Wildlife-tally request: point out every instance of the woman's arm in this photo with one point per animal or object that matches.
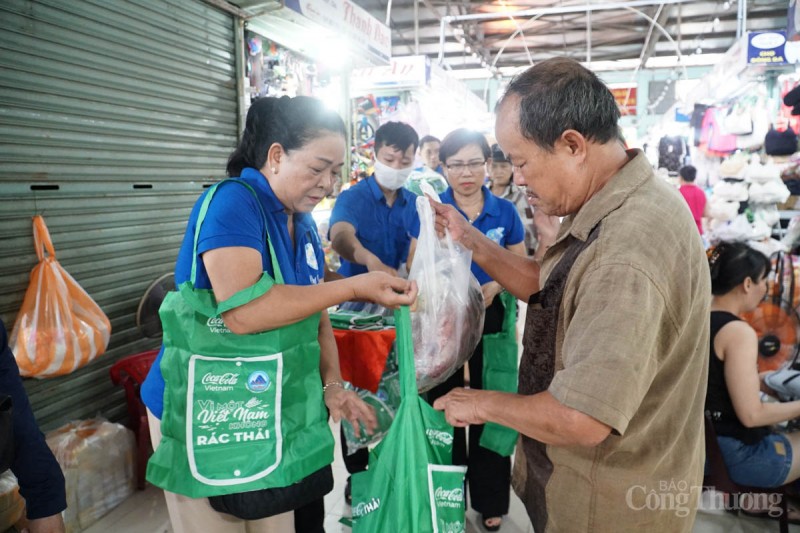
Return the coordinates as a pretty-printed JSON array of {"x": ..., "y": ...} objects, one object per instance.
[
  {"x": 738, "y": 343},
  {"x": 232, "y": 269}
]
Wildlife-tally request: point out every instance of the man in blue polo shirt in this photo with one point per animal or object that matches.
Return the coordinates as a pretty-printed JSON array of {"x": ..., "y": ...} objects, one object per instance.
[{"x": 372, "y": 223}]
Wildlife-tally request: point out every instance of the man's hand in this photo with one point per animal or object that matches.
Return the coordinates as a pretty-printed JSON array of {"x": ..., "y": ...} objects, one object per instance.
[
  {"x": 546, "y": 227},
  {"x": 462, "y": 407},
  {"x": 449, "y": 219},
  {"x": 490, "y": 289},
  {"x": 381, "y": 288},
  {"x": 345, "y": 404},
  {"x": 48, "y": 524}
]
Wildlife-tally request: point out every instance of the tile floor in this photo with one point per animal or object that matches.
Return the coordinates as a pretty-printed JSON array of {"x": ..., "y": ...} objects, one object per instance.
[{"x": 146, "y": 512}]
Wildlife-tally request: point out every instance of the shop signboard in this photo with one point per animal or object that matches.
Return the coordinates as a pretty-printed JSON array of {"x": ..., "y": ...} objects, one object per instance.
[
  {"x": 362, "y": 29},
  {"x": 626, "y": 99},
  {"x": 766, "y": 48},
  {"x": 404, "y": 72}
]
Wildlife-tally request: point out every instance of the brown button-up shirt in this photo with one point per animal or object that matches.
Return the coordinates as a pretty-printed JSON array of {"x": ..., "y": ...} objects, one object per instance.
[{"x": 632, "y": 352}]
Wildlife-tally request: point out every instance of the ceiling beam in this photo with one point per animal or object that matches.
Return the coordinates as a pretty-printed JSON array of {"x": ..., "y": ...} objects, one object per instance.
[{"x": 654, "y": 36}]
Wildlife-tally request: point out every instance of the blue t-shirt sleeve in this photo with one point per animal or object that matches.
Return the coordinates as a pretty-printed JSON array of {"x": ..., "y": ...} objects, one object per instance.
[
  {"x": 233, "y": 219},
  {"x": 346, "y": 209}
]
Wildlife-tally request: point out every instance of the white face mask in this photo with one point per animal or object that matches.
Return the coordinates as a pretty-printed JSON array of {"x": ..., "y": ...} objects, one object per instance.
[{"x": 391, "y": 178}]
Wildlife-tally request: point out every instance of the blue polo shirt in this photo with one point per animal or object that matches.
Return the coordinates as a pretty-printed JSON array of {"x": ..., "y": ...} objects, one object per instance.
[
  {"x": 498, "y": 220},
  {"x": 234, "y": 219},
  {"x": 385, "y": 231}
]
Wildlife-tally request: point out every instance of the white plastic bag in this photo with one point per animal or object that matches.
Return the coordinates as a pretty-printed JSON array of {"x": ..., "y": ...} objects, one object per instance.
[{"x": 448, "y": 321}]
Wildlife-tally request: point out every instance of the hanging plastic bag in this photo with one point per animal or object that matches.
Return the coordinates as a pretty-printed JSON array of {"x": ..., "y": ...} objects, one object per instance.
[
  {"x": 448, "y": 320},
  {"x": 59, "y": 327},
  {"x": 410, "y": 484}
]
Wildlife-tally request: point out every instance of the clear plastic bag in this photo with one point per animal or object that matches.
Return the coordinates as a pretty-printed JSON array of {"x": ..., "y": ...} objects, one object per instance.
[
  {"x": 447, "y": 323},
  {"x": 385, "y": 402},
  {"x": 59, "y": 327},
  {"x": 98, "y": 461}
]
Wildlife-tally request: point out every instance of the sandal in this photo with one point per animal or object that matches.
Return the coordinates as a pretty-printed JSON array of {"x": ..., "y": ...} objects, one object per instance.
[{"x": 497, "y": 521}]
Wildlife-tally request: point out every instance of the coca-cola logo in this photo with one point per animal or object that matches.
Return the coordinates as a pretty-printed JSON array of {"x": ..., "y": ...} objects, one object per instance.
[
  {"x": 453, "y": 495},
  {"x": 229, "y": 378},
  {"x": 216, "y": 325}
]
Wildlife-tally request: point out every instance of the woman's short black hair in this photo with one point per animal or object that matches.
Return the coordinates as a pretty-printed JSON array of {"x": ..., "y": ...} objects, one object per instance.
[
  {"x": 458, "y": 139},
  {"x": 290, "y": 122},
  {"x": 731, "y": 263}
]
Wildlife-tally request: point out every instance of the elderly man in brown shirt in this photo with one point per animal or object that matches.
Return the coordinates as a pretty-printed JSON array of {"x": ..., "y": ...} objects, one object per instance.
[{"x": 615, "y": 351}]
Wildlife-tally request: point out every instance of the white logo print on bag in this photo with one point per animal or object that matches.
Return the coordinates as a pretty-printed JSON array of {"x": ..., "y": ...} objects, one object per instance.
[{"x": 217, "y": 325}]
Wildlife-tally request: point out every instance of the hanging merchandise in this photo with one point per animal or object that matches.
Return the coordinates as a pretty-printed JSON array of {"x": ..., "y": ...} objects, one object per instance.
[
  {"x": 59, "y": 327},
  {"x": 671, "y": 152},
  {"x": 410, "y": 485},
  {"x": 276, "y": 71},
  {"x": 779, "y": 142},
  {"x": 448, "y": 320}
]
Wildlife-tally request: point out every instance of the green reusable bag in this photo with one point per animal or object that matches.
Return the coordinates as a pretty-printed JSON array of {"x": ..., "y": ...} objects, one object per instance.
[
  {"x": 241, "y": 412},
  {"x": 500, "y": 357},
  {"x": 410, "y": 485}
]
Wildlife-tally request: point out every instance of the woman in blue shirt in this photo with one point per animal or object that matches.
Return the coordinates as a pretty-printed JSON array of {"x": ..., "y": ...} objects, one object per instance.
[
  {"x": 465, "y": 154},
  {"x": 291, "y": 153}
]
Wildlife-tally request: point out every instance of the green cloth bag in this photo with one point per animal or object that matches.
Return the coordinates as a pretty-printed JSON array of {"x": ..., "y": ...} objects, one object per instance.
[
  {"x": 500, "y": 373},
  {"x": 410, "y": 484},
  {"x": 241, "y": 412}
]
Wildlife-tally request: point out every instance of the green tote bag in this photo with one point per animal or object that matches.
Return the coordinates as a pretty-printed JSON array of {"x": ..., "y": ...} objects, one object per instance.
[
  {"x": 500, "y": 373},
  {"x": 410, "y": 485},
  {"x": 241, "y": 412}
]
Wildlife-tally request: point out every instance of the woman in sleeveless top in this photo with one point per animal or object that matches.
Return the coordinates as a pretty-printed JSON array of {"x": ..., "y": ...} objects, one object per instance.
[{"x": 754, "y": 453}]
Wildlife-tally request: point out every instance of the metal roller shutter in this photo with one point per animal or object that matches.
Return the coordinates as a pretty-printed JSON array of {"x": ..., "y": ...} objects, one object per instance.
[{"x": 113, "y": 116}]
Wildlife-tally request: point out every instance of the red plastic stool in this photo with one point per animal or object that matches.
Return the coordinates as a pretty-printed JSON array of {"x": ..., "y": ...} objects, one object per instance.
[{"x": 129, "y": 372}]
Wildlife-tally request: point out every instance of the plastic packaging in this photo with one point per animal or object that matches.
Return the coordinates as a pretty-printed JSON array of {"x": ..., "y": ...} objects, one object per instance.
[
  {"x": 98, "y": 459},
  {"x": 12, "y": 506},
  {"x": 447, "y": 323},
  {"x": 59, "y": 327},
  {"x": 385, "y": 402}
]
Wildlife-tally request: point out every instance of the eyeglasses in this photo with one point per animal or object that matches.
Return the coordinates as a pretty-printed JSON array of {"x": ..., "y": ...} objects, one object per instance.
[{"x": 472, "y": 166}]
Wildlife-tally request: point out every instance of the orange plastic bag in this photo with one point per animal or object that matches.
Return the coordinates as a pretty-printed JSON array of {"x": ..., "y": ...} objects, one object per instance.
[{"x": 59, "y": 327}]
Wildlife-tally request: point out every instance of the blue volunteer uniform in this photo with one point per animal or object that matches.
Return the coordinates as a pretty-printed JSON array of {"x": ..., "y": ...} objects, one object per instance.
[
  {"x": 385, "y": 231},
  {"x": 234, "y": 219},
  {"x": 498, "y": 220}
]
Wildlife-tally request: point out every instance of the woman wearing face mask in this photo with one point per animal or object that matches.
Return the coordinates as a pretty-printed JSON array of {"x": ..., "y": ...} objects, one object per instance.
[
  {"x": 252, "y": 247},
  {"x": 372, "y": 222},
  {"x": 464, "y": 155}
]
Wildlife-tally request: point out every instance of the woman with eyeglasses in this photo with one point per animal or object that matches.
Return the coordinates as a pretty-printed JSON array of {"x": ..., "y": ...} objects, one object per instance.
[{"x": 464, "y": 155}]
